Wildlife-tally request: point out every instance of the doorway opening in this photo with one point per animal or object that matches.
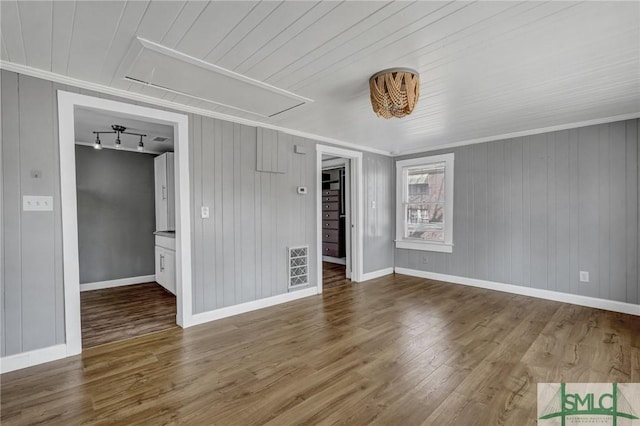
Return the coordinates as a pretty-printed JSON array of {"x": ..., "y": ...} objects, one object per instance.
[
  {"x": 126, "y": 225},
  {"x": 339, "y": 216},
  {"x": 336, "y": 221},
  {"x": 78, "y": 235}
]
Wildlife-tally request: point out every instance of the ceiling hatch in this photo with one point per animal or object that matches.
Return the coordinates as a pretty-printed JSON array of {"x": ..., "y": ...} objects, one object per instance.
[{"x": 167, "y": 69}]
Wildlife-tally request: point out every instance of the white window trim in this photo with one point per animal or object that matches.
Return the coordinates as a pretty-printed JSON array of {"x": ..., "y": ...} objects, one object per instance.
[{"x": 403, "y": 243}]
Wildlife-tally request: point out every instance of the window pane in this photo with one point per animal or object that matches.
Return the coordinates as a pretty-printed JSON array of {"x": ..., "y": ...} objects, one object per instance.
[
  {"x": 425, "y": 184},
  {"x": 425, "y": 221}
]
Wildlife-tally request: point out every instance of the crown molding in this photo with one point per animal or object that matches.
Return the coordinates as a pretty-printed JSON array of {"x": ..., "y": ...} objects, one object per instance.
[
  {"x": 100, "y": 88},
  {"x": 530, "y": 132}
]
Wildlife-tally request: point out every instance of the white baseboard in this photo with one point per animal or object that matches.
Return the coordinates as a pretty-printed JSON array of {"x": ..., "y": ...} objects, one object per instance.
[
  {"x": 377, "y": 274},
  {"x": 117, "y": 283},
  {"x": 31, "y": 358},
  {"x": 337, "y": 260},
  {"x": 592, "y": 302},
  {"x": 254, "y": 305}
]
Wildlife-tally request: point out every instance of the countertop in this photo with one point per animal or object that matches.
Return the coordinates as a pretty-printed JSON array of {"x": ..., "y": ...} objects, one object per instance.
[{"x": 170, "y": 234}]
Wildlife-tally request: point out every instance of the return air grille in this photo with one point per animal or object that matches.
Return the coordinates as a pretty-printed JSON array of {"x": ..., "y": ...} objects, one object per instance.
[{"x": 298, "y": 266}]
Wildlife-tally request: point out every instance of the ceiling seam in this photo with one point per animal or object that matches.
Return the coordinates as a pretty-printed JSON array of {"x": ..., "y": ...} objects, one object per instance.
[
  {"x": 234, "y": 27},
  {"x": 246, "y": 35},
  {"x": 296, "y": 35},
  {"x": 331, "y": 39},
  {"x": 276, "y": 36},
  {"x": 388, "y": 44}
]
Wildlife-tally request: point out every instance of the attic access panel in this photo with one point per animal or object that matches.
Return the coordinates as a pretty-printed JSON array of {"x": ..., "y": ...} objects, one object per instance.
[{"x": 167, "y": 69}]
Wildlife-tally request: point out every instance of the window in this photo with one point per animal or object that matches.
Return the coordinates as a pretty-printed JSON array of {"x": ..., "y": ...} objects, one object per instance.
[{"x": 425, "y": 203}]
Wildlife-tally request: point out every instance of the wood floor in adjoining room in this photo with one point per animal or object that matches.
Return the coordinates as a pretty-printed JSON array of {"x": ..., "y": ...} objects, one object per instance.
[
  {"x": 394, "y": 350},
  {"x": 333, "y": 275},
  {"x": 113, "y": 314}
]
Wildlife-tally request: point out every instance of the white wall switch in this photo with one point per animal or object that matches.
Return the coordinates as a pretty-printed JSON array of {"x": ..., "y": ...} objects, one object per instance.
[
  {"x": 302, "y": 190},
  {"x": 37, "y": 203},
  {"x": 204, "y": 212},
  {"x": 584, "y": 276}
]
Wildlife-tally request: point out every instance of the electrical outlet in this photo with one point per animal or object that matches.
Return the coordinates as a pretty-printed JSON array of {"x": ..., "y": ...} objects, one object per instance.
[
  {"x": 425, "y": 260},
  {"x": 37, "y": 203},
  {"x": 204, "y": 212},
  {"x": 584, "y": 276}
]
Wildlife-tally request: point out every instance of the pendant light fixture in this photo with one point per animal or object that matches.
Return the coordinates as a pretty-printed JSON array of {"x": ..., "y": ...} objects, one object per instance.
[
  {"x": 394, "y": 92},
  {"x": 118, "y": 130}
]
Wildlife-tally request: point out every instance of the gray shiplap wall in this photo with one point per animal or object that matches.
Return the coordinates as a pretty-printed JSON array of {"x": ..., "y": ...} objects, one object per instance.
[
  {"x": 240, "y": 251},
  {"x": 379, "y": 214},
  {"x": 116, "y": 214},
  {"x": 534, "y": 211},
  {"x": 233, "y": 261}
]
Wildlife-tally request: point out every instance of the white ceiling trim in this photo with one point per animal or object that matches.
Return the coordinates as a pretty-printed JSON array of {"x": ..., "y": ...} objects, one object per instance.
[
  {"x": 164, "y": 50},
  {"x": 530, "y": 132},
  {"x": 58, "y": 78}
]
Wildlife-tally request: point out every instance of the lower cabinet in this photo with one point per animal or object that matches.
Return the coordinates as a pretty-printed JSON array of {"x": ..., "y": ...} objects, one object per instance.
[{"x": 166, "y": 268}]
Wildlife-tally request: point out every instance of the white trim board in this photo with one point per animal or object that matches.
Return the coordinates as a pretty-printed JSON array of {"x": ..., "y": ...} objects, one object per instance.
[
  {"x": 591, "y": 302},
  {"x": 100, "y": 88},
  {"x": 67, "y": 102},
  {"x": 117, "y": 283},
  {"x": 574, "y": 125},
  {"x": 336, "y": 260},
  {"x": 31, "y": 358},
  {"x": 253, "y": 305},
  {"x": 356, "y": 247},
  {"x": 377, "y": 274}
]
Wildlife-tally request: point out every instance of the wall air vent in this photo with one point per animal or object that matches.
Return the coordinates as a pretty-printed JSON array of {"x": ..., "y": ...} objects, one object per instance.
[
  {"x": 152, "y": 64},
  {"x": 160, "y": 139},
  {"x": 298, "y": 266}
]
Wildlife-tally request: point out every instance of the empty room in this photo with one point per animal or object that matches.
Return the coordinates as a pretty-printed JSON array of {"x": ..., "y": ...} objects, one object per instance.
[{"x": 320, "y": 212}]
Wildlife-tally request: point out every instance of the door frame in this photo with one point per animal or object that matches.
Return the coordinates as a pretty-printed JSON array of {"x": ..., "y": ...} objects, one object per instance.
[
  {"x": 67, "y": 102},
  {"x": 345, "y": 163},
  {"x": 356, "y": 191}
]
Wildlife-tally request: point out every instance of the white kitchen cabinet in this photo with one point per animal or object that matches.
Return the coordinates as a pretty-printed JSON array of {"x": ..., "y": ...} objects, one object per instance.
[
  {"x": 166, "y": 268},
  {"x": 165, "y": 192}
]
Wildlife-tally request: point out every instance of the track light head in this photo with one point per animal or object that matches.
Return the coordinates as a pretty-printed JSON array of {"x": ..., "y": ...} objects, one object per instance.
[{"x": 97, "y": 144}]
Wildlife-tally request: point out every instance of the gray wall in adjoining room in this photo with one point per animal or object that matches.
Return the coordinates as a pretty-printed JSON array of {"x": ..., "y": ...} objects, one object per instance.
[
  {"x": 534, "y": 211},
  {"x": 116, "y": 214},
  {"x": 222, "y": 161}
]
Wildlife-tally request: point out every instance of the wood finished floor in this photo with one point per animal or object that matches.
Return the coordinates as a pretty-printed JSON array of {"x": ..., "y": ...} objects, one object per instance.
[
  {"x": 395, "y": 350},
  {"x": 114, "y": 314},
  {"x": 333, "y": 275}
]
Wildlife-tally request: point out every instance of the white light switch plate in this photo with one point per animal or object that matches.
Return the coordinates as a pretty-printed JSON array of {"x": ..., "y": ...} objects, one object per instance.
[
  {"x": 204, "y": 212},
  {"x": 584, "y": 276},
  {"x": 42, "y": 203}
]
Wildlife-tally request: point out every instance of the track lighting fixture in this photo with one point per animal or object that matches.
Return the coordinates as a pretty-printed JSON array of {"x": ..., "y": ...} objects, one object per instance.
[{"x": 118, "y": 130}]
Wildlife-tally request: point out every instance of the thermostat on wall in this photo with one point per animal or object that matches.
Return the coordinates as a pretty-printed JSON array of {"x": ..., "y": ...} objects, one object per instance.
[{"x": 302, "y": 190}]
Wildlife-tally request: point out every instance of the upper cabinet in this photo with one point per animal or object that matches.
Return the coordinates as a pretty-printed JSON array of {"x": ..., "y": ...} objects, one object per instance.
[{"x": 165, "y": 192}]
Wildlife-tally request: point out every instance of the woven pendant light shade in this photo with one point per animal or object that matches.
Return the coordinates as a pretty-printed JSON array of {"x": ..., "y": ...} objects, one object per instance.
[{"x": 394, "y": 92}]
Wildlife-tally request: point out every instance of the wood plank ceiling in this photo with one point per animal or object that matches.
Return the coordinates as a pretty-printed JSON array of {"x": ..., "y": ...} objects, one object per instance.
[{"x": 487, "y": 68}]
